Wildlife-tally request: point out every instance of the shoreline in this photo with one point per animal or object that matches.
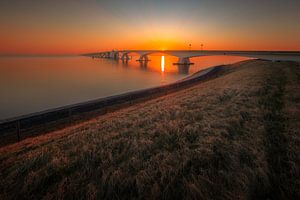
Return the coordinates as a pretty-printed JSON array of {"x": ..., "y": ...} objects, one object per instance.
[{"x": 18, "y": 128}]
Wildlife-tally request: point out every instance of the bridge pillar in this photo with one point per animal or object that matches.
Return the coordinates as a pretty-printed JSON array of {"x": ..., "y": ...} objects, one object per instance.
[
  {"x": 111, "y": 54},
  {"x": 125, "y": 56},
  {"x": 114, "y": 55},
  {"x": 107, "y": 55},
  {"x": 183, "y": 69},
  {"x": 143, "y": 58},
  {"x": 183, "y": 61}
]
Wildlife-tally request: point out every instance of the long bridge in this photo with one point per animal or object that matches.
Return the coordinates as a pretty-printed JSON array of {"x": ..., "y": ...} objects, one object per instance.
[{"x": 185, "y": 55}]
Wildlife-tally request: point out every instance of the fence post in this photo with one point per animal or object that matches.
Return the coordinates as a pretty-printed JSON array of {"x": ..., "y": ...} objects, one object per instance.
[
  {"x": 18, "y": 130},
  {"x": 70, "y": 115}
]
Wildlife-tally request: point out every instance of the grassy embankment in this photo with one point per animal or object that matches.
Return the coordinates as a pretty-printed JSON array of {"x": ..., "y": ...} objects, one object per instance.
[{"x": 233, "y": 137}]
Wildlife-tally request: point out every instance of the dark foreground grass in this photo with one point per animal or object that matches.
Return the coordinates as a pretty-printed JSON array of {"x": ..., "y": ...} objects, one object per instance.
[
  {"x": 283, "y": 174},
  {"x": 234, "y": 137}
]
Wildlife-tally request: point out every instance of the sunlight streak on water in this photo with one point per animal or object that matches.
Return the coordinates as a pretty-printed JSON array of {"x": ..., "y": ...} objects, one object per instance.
[
  {"x": 162, "y": 63},
  {"x": 162, "y": 67}
]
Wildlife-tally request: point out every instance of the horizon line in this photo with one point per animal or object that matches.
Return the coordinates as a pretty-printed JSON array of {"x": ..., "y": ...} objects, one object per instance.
[{"x": 78, "y": 54}]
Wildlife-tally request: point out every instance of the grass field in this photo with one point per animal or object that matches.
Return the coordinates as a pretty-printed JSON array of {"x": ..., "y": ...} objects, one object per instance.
[{"x": 233, "y": 137}]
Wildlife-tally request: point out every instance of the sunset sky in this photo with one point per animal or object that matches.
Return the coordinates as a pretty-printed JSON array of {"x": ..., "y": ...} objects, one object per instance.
[{"x": 77, "y": 26}]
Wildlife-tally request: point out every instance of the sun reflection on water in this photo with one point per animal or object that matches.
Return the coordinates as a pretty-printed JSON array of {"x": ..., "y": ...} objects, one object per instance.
[
  {"x": 162, "y": 68},
  {"x": 162, "y": 63}
]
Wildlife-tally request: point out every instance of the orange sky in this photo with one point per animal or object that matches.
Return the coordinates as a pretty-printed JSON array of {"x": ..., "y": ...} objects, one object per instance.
[{"x": 68, "y": 27}]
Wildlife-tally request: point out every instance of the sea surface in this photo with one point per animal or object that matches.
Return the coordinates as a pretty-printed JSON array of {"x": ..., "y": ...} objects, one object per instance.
[{"x": 32, "y": 84}]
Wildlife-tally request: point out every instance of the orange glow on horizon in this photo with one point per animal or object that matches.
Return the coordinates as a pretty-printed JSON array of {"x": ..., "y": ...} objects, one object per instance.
[
  {"x": 33, "y": 43},
  {"x": 40, "y": 41}
]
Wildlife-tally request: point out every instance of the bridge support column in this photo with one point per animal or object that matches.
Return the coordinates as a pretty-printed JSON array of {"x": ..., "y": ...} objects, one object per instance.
[
  {"x": 143, "y": 58},
  {"x": 183, "y": 61},
  {"x": 115, "y": 55},
  {"x": 125, "y": 57},
  {"x": 111, "y": 55},
  {"x": 183, "y": 69},
  {"x": 107, "y": 55}
]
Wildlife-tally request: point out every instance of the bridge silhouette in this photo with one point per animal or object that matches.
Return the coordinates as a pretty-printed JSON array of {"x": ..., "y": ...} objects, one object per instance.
[{"x": 185, "y": 55}]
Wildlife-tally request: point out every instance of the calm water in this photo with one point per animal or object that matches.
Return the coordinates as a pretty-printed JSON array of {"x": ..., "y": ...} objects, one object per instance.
[{"x": 31, "y": 84}]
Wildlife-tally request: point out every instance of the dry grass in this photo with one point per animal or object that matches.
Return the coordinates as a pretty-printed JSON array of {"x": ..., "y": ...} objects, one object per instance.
[{"x": 234, "y": 137}]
